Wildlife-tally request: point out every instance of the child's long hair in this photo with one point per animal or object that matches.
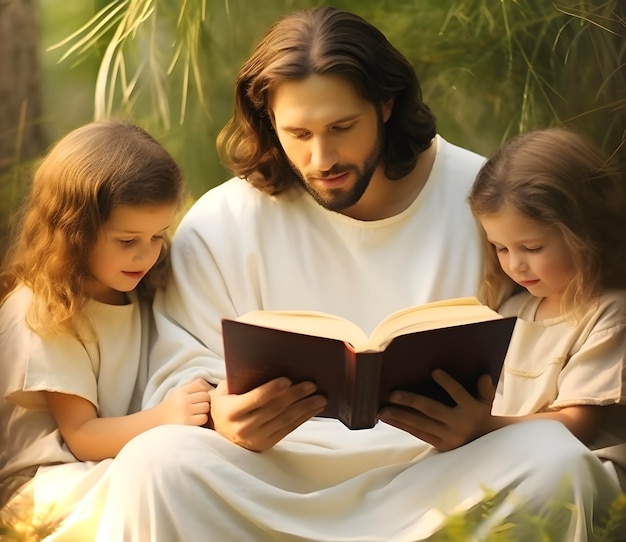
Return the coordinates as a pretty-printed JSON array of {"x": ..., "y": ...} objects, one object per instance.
[
  {"x": 84, "y": 176},
  {"x": 559, "y": 179}
]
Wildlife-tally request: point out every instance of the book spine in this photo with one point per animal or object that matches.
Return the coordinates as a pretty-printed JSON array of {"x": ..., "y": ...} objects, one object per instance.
[{"x": 358, "y": 404}]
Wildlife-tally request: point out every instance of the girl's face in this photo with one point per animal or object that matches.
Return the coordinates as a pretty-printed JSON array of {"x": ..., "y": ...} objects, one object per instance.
[
  {"x": 129, "y": 244},
  {"x": 533, "y": 254}
]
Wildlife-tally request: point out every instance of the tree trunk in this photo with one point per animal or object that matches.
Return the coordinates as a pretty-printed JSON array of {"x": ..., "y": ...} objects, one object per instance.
[{"x": 21, "y": 131}]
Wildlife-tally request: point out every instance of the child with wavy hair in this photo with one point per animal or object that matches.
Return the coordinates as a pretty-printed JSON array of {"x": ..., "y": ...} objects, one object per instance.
[
  {"x": 553, "y": 216},
  {"x": 75, "y": 312}
]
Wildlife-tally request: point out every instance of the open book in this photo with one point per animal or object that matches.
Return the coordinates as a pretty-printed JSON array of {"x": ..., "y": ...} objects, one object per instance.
[{"x": 356, "y": 372}]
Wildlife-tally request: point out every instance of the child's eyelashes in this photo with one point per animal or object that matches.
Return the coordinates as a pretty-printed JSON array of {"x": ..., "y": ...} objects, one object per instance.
[
  {"x": 504, "y": 250},
  {"x": 134, "y": 240},
  {"x": 341, "y": 129}
]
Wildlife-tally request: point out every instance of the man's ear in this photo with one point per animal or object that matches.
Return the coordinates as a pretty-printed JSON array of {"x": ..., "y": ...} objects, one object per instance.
[{"x": 387, "y": 109}]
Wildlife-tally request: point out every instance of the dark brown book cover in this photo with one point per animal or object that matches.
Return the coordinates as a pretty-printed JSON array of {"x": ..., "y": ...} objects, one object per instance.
[{"x": 357, "y": 384}]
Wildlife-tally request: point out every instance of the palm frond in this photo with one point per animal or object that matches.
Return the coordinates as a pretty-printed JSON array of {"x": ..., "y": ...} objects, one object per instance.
[
  {"x": 137, "y": 40},
  {"x": 91, "y": 33}
]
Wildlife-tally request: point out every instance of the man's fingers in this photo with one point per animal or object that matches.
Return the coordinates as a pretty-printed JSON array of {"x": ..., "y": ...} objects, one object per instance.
[
  {"x": 486, "y": 389},
  {"x": 456, "y": 390}
]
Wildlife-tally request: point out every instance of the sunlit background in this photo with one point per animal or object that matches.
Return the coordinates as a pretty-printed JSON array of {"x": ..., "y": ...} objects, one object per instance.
[{"x": 489, "y": 69}]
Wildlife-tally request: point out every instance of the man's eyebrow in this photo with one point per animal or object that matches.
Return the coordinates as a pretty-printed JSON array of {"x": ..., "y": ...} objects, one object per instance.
[{"x": 347, "y": 118}]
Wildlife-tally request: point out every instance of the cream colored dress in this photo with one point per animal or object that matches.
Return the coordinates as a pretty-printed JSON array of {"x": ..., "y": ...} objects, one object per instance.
[
  {"x": 239, "y": 250},
  {"x": 110, "y": 373},
  {"x": 556, "y": 363}
]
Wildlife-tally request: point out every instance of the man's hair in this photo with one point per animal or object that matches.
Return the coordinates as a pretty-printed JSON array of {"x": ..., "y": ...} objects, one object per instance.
[
  {"x": 86, "y": 174},
  {"x": 322, "y": 41},
  {"x": 558, "y": 178}
]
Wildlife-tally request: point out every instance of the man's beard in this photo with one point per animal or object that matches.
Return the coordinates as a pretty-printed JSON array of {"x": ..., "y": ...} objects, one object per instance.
[{"x": 338, "y": 200}]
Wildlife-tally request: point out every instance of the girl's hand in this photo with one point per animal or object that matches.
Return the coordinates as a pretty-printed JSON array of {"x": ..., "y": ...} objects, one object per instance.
[
  {"x": 187, "y": 405},
  {"x": 438, "y": 424},
  {"x": 257, "y": 420}
]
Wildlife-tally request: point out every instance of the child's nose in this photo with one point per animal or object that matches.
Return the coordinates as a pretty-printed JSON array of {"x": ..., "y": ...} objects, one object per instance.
[{"x": 517, "y": 262}]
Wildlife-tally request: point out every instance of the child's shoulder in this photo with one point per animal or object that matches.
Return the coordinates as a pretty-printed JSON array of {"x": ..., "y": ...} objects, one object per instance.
[
  {"x": 613, "y": 303},
  {"x": 14, "y": 307}
]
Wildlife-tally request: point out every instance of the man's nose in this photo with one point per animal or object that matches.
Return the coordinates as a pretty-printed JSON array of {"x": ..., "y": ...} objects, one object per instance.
[{"x": 323, "y": 154}]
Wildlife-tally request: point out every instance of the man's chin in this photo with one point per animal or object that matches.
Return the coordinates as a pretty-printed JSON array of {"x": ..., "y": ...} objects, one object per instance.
[
  {"x": 336, "y": 204},
  {"x": 335, "y": 200}
]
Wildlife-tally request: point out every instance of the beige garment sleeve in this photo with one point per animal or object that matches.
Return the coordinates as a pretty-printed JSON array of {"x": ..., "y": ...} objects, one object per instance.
[{"x": 594, "y": 375}]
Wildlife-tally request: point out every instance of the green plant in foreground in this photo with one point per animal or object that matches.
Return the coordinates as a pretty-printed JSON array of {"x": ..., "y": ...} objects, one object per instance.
[
  {"x": 526, "y": 526},
  {"x": 614, "y": 526},
  {"x": 20, "y": 524}
]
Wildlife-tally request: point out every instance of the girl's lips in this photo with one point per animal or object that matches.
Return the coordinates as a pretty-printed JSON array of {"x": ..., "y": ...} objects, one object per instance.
[
  {"x": 133, "y": 274},
  {"x": 528, "y": 283}
]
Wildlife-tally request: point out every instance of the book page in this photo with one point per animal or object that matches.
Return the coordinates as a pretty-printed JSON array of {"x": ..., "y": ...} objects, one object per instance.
[
  {"x": 319, "y": 324},
  {"x": 446, "y": 313}
]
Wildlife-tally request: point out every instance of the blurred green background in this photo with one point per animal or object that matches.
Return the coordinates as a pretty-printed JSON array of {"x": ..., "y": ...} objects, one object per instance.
[{"x": 489, "y": 69}]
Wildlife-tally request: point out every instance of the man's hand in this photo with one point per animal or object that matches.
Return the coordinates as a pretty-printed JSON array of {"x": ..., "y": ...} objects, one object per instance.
[
  {"x": 443, "y": 426},
  {"x": 257, "y": 420}
]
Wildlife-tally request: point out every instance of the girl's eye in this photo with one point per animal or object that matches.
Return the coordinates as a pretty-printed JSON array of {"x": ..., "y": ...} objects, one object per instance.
[
  {"x": 157, "y": 238},
  {"x": 342, "y": 128},
  {"x": 301, "y": 135},
  {"x": 533, "y": 249},
  {"x": 500, "y": 250},
  {"x": 126, "y": 242}
]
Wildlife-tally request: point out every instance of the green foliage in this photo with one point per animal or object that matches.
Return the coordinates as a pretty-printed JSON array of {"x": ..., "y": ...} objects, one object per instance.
[
  {"x": 20, "y": 525},
  {"x": 613, "y": 526},
  {"x": 170, "y": 66},
  {"x": 136, "y": 60},
  {"x": 13, "y": 187},
  {"x": 490, "y": 69},
  {"x": 525, "y": 525}
]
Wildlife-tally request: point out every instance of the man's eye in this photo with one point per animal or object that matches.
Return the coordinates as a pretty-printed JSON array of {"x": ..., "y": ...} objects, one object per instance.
[{"x": 342, "y": 128}]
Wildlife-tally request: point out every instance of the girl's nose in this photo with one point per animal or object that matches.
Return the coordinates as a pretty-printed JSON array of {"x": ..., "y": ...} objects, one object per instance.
[{"x": 517, "y": 262}]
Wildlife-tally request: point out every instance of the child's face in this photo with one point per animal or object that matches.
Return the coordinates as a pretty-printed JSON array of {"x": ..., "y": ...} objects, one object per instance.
[
  {"x": 128, "y": 246},
  {"x": 532, "y": 254}
]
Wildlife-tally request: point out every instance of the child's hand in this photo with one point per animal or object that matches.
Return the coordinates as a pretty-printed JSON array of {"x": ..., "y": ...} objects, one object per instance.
[{"x": 187, "y": 405}]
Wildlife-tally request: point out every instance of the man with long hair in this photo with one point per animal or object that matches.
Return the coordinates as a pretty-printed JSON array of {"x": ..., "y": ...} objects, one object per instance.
[{"x": 345, "y": 200}]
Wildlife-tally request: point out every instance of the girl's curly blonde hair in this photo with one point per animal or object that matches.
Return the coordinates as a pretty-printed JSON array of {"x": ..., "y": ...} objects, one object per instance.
[
  {"x": 84, "y": 176},
  {"x": 560, "y": 179}
]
